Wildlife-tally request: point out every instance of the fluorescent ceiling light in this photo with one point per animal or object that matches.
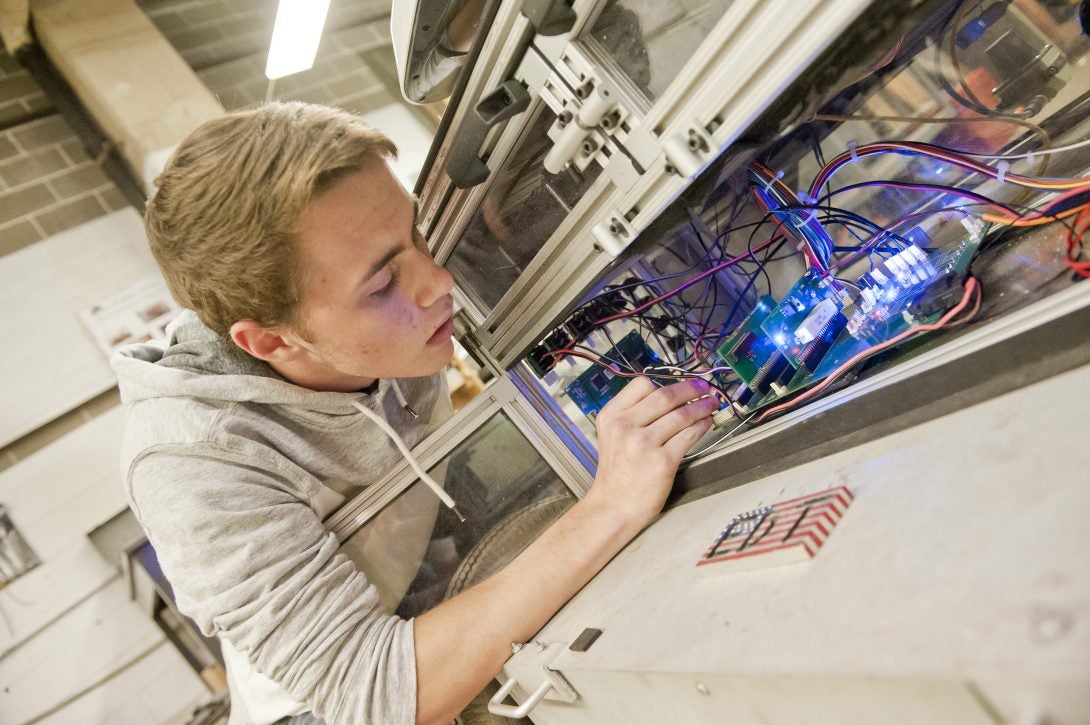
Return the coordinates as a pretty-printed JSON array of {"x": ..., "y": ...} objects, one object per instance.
[{"x": 295, "y": 36}]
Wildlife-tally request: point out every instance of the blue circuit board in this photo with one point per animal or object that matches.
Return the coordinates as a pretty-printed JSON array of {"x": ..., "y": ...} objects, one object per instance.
[{"x": 597, "y": 385}]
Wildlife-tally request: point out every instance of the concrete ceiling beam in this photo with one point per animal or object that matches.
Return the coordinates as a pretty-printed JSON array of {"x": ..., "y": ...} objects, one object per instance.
[{"x": 131, "y": 80}]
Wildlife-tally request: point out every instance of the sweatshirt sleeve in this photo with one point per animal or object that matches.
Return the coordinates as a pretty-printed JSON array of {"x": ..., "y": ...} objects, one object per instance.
[{"x": 250, "y": 562}]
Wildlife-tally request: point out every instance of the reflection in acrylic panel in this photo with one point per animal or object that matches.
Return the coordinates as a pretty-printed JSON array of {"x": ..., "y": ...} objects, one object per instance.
[
  {"x": 650, "y": 41},
  {"x": 523, "y": 207},
  {"x": 418, "y": 554}
]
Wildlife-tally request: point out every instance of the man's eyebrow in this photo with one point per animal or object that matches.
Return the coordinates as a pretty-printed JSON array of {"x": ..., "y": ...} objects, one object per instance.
[
  {"x": 389, "y": 256},
  {"x": 386, "y": 259}
]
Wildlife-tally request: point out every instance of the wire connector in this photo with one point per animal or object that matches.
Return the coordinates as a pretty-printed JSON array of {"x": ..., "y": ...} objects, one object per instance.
[{"x": 721, "y": 417}]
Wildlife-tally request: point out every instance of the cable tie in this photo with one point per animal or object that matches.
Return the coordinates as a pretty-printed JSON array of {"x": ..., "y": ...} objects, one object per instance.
[
  {"x": 805, "y": 198},
  {"x": 1001, "y": 170},
  {"x": 773, "y": 180},
  {"x": 853, "y": 147},
  {"x": 809, "y": 218},
  {"x": 1030, "y": 156}
]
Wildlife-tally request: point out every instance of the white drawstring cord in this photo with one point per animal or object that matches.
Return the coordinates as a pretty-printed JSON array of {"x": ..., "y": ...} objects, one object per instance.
[
  {"x": 388, "y": 430},
  {"x": 401, "y": 398}
]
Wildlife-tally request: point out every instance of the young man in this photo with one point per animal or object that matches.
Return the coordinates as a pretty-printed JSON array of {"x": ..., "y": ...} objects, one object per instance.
[{"x": 285, "y": 232}]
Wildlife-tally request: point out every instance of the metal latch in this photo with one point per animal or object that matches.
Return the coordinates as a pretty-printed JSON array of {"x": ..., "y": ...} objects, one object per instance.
[{"x": 554, "y": 686}]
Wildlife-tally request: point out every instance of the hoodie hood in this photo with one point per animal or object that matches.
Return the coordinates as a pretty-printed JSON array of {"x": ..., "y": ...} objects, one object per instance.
[{"x": 195, "y": 362}]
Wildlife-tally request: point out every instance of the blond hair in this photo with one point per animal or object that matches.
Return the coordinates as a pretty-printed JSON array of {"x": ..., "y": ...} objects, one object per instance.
[{"x": 222, "y": 222}]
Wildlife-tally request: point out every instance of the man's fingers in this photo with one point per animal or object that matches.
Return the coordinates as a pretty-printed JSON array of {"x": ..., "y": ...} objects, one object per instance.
[
  {"x": 681, "y": 417},
  {"x": 680, "y": 443},
  {"x": 632, "y": 393},
  {"x": 653, "y": 407}
]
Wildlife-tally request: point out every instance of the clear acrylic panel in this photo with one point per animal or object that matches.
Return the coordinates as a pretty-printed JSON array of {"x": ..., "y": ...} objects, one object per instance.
[
  {"x": 651, "y": 40},
  {"x": 418, "y": 554},
  {"x": 518, "y": 214}
]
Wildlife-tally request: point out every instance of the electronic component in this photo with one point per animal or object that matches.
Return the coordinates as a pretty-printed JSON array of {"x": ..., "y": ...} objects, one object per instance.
[
  {"x": 811, "y": 310},
  {"x": 539, "y": 358},
  {"x": 907, "y": 286},
  {"x": 777, "y": 340},
  {"x": 597, "y": 385},
  {"x": 749, "y": 351}
]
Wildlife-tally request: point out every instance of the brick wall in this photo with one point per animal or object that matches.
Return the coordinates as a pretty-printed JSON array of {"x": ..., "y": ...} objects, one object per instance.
[
  {"x": 20, "y": 96},
  {"x": 47, "y": 182},
  {"x": 341, "y": 75}
]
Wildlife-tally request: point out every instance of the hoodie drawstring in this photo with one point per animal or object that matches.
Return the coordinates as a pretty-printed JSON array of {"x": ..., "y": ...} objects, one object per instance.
[
  {"x": 388, "y": 430},
  {"x": 401, "y": 398}
]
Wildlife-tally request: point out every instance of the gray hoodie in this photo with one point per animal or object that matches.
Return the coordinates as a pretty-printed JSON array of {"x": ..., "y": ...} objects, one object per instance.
[{"x": 231, "y": 469}]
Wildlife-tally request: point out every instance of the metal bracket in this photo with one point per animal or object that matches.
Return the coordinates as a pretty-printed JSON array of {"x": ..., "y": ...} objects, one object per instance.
[
  {"x": 612, "y": 236},
  {"x": 688, "y": 152},
  {"x": 599, "y": 104}
]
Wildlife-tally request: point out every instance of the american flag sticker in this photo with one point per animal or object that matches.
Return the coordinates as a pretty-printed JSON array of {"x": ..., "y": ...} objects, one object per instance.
[{"x": 780, "y": 533}]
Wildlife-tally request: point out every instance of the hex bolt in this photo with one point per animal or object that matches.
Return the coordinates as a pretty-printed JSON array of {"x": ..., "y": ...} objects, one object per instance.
[
  {"x": 589, "y": 147},
  {"x": 696, "y": 141}
]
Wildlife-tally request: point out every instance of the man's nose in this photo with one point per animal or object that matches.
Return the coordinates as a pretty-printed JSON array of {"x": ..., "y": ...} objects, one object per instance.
[{"x": 433, "y": 282}]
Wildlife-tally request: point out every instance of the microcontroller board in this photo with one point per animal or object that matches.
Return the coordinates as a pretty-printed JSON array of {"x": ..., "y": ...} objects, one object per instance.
[{"x": 597, "y": 385}]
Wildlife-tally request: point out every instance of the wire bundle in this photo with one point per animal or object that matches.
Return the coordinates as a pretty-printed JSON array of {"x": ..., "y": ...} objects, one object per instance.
[
  {"x": 800, "y": 224},
  {"x": 798, "y": 218}
]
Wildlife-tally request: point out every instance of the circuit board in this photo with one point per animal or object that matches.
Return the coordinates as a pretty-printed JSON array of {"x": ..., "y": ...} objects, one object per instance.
[
  {"x": 596, "y": 386},
  {"x": 807, "y": 318},
  {"x": 781, "y": 348}
]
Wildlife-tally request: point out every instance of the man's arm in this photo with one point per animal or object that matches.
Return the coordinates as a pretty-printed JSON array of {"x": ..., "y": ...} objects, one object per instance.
[{"x": 642, "y": 435}]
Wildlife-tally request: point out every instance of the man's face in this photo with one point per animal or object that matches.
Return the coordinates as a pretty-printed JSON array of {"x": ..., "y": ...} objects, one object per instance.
[{"x": 374, "y": 304}]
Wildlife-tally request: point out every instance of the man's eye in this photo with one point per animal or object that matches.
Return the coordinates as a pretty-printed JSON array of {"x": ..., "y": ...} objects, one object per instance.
[{"x": 386, "y": 288}]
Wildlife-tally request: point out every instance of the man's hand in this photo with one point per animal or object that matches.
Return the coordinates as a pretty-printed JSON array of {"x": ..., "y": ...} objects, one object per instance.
[{"x": 643, "y": 433}]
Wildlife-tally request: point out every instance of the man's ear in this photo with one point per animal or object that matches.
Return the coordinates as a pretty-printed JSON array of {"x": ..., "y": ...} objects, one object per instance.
[{"x": 271, "y": 344}]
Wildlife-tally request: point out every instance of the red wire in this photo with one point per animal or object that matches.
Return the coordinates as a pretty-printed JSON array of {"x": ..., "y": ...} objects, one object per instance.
[
  {"x": 970, "y": 285},
  {"x": 800, "y": 244},
  {"x": 1073, "y": 240},
  {"x": 953, "y": 158}
]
